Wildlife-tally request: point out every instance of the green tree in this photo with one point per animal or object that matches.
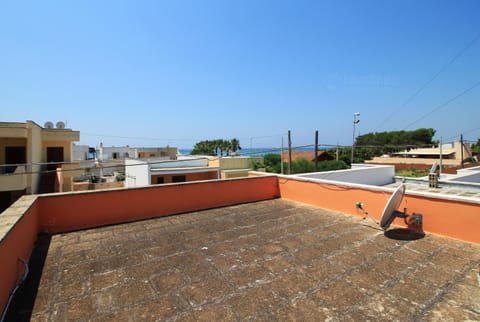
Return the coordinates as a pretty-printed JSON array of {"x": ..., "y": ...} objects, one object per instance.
[
  {"x": 217, "y": 147},
  {"x": 235, "y": 145},
  {"x": 476, "y": 147},
  {"x": 204, "y": 148}
]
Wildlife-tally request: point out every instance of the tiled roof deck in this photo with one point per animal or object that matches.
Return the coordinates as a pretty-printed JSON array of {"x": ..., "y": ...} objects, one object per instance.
[{"x": 269, "y": 260}]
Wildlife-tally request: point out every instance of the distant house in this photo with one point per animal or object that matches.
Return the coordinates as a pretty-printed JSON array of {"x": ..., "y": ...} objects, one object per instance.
[
  {"x": 451, "y": 155},
  {"x": 112, "y": 153},
  {"x": 309, "y": 155},
  {"x": 233, "y": 167},
  {"x": 159, "y": 171},
  {"x": 29, "y": 156}
]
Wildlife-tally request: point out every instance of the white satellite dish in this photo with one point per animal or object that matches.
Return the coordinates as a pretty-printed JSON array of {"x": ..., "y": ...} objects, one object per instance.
[
  {"x": 390, "y": 211},
  {"x": 60, "y": 125},
  {"x": 48, "y": 125}
]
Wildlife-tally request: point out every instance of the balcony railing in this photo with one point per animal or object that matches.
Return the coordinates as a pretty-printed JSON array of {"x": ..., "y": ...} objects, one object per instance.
[{"x": 13, "y": 177}]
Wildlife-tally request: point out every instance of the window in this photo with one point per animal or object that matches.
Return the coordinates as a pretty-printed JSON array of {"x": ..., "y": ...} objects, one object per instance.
[
  {"x": 160, "y": 180},
  {"x": 126, "y": 155},
  {"x": 178, "y": 179},
  {"x": 115, "y": 155}
]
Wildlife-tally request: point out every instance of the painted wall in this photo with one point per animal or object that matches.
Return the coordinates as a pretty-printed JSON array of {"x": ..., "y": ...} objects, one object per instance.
[
  {"x": 92, "y": 209},
  {"x": 14, "y": 182},
  {"x": 456, "y": 218},
  {"x": 238, "y": 162},
  {"x": 156, "y": 163},
  {"x": 16, "y": 243},
  {"x": 137, "y": 173},
  {"x": 360, "y": 174}
]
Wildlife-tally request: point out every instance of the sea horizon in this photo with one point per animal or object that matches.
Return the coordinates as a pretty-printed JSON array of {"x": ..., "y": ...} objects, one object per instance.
[{"x": 262, "y": 151}]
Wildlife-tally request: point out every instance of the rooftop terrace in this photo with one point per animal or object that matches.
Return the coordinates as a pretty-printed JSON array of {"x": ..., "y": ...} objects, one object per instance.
[{"x": 242, "y": 254}]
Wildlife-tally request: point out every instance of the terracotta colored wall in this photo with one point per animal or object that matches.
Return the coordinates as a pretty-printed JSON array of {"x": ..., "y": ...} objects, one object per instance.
[
  {"x": 83, "y": 210},
  {"x": 453, "y": 219},
  {"x": 17, "y": 244}
]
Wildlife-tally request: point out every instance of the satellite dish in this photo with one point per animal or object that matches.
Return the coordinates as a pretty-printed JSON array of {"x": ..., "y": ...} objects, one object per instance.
[
  {"x": 48, "y": 125},
  {"x": 60, "y": 125},
  {"x": 390, "y": 211}
]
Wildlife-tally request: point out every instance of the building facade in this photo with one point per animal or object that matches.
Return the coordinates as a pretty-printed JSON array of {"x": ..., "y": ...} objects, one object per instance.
[{"x": 29, "y": 156}]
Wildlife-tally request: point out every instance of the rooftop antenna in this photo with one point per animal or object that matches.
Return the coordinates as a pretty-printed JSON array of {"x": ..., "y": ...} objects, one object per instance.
[{"x": 390, "y": 211}]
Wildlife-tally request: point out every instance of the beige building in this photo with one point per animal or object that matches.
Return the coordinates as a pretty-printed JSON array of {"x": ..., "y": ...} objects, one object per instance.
[
  {"x": 233, "y": 167},
  {"x": 167, "y": 152},
  {"x": 27, "y": 151},
  {"x": 451, "y": 155}
]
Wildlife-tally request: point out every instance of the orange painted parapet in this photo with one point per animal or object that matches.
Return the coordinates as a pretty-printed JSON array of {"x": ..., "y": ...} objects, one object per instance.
[
  {"x": 450, "y": 218},
  {"x": 17, "y": 244},
  {"x": 67, "y": 212}
]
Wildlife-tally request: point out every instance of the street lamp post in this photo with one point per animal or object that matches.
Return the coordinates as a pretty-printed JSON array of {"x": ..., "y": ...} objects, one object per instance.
[{"x": 355, "y": 122}]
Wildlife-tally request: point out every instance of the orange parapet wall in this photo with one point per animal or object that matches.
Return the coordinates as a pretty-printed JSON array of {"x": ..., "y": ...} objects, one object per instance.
[
  {"x": 17, "y": 244},
  {"x": 457, "y": 219},
  {"x": 67, "y": 212}
]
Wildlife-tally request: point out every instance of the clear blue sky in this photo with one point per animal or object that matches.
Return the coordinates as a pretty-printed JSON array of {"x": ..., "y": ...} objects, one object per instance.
[{"x": 152, "y": 73}]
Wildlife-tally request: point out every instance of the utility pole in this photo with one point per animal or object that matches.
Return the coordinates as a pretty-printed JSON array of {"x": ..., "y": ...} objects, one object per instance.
[
  {"x": 441, "y": 157},
  {"x": 289, "y": 153},
  {"x": 281, "y": 157},
  {"x": 316, "y": 151},
  {"x": 355, "y": 122},
  {"x": 461, "y": 147}
]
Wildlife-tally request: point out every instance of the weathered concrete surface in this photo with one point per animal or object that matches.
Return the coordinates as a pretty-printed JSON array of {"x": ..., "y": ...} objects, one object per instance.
[{"x": 271, "y": 260}]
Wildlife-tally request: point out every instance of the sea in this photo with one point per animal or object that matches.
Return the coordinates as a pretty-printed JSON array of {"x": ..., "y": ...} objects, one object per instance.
[{"x": 263, "y": 151}]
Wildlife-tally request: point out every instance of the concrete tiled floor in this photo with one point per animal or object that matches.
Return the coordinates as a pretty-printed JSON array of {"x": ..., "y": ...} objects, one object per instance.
[{"x": 271, "y": 260}]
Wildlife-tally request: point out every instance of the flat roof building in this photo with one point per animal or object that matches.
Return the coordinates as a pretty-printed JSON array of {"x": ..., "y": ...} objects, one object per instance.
[{"x": 263, "y": 247}]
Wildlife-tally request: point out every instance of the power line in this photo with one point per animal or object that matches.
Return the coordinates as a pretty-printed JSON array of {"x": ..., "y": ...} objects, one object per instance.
[
  {"x": 428, "y": 82},
  {"x": 464, "y": 132},
  {"x": 444, "y": 104},
  {"x": 133, "y": 137}
]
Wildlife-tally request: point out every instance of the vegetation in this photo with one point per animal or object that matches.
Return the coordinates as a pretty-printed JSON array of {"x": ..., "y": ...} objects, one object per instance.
[
  {"x": 417, "y": 137},
  {"x": 370, "y": 145},
  {"x": 120, "y": 176},
  {"x": 476, "y": 147},
  {"x": 216, "y": 147},
  {"x": 272, "y": 163},
  {"x": 412, "y": 173},
  {"x": 469, "y": 160}
]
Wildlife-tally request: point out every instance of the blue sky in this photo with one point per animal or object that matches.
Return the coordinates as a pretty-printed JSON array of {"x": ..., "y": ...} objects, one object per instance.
[{"x": 152, "y": 73}]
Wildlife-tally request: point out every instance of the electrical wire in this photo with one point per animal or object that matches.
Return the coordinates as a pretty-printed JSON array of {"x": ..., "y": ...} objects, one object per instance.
[
  {"x": 444, "y": 104},
  {"x": 121, "y": 163},
  {"x": 428, "y": 82}
]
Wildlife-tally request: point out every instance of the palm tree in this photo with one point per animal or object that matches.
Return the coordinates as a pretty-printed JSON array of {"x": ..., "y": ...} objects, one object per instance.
[
  {"x": 225, "y": 146},
  {"x": 235, "y": 145}
]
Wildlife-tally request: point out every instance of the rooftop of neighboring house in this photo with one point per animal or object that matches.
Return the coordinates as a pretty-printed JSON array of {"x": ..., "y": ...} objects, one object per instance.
[
  {"x": 264, "y": 247},
  {"x": 308, "y": 155},
  {"x": 447, "y": 149}
]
